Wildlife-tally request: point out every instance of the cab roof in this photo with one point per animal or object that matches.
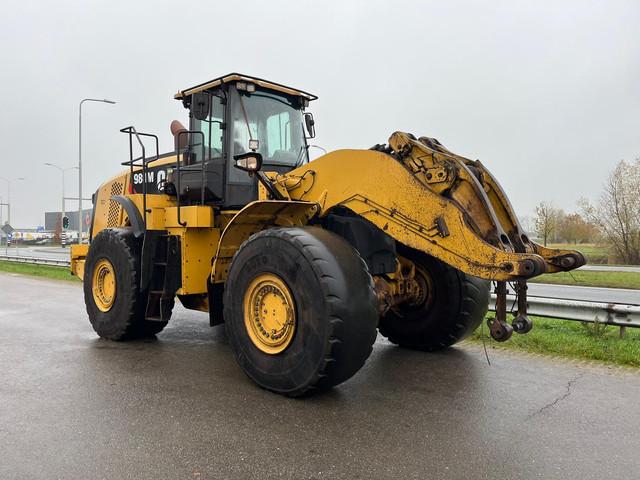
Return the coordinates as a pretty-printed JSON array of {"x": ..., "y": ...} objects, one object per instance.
[{"x": 235, "y": 77}]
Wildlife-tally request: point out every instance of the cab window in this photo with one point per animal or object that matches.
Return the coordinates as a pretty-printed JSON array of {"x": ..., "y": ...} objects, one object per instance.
[
  {"x": 276, "y": 122},
  {"x": 278, "y": 133},
  {"x": 212, "y": 130}
]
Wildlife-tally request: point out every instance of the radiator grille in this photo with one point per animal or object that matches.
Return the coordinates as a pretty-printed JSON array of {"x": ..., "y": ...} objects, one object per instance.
[{"x": 113, "y": 220}]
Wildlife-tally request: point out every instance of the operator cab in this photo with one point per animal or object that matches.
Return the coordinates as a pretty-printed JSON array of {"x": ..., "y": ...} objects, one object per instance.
[{"x": 234, "y": 115}]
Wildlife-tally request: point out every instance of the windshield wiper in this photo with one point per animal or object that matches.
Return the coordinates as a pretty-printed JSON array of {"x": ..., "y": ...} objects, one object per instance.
[{"x": 246, "y": 118}]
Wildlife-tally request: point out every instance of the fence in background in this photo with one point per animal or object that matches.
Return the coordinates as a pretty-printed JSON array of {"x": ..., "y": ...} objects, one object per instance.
[
  {"x": 580, "y": 311},
  {"x": 34, "y": 260}
]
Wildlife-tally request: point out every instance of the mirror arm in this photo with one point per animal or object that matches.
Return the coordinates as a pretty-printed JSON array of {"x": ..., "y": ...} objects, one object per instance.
[{"x": 266, "y": 183}]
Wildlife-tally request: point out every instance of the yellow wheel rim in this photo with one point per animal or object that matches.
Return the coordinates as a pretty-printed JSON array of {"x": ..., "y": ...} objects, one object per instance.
[
  {"x": 269, "y": 313},
  {"x": 104, "y": 285}
]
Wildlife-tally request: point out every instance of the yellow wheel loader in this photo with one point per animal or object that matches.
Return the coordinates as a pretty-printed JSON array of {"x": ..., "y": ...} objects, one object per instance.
[{"x": 303, "y": 261}]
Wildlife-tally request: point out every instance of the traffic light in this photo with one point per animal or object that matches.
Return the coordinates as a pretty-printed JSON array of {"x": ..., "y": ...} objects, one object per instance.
[{"x": 65, "y": 222}]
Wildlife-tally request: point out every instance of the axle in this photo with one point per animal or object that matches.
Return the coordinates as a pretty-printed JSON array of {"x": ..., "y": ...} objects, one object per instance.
[{"x": 400, "y": 287}]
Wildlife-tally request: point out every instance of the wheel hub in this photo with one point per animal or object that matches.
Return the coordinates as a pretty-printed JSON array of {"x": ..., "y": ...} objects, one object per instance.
[
  {"x": 409, "y": 285},
  {"x": 104, "y": 285},
  {"x": 269, "y": 313},
  {"x": 425, "y": 291}
]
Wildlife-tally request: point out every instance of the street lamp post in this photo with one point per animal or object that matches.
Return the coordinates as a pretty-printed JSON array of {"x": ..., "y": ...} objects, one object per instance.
[
  {"x": 9, "y": 195},
  {"x": 62, "y": 171},
  {"x": 80, "y": 160}
]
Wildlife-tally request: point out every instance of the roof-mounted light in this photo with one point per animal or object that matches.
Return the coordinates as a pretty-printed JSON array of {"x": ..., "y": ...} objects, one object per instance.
[{"x": 246, "y": 87}]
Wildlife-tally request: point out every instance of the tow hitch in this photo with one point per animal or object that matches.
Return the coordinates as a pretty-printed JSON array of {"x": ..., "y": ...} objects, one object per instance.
[{"x": 499, "y": 329}]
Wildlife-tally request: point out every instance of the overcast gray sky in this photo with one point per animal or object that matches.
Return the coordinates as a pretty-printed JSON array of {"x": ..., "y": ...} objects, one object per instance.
[{"x": 546, "y": 94}]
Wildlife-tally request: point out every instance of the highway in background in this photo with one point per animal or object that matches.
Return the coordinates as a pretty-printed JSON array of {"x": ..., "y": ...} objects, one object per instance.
[
  {"x": 621, "y": 296},
  {"x": 53, "y": 253},
  {"x": 612, "y": 268}
]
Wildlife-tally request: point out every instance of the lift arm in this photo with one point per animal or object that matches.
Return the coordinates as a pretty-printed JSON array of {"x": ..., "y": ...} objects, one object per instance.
[{"x": 435, "y": 201}]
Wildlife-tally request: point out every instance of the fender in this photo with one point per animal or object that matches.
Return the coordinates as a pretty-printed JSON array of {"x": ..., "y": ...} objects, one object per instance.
[
  {"x": 133, "y": 213},
  {"x": 253, "y": 218}
]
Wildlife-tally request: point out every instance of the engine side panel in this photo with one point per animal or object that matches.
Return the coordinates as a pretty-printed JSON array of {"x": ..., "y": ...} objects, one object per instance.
[{"x": 108, "y": 213}]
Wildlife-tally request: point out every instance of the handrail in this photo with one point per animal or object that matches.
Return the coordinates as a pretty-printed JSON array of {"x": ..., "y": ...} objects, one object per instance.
[{"x": 131, "y": 131}]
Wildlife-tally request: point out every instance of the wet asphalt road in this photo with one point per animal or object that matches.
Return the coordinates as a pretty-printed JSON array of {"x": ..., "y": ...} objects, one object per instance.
[
  {"x": 76, "y": 407},
  {"x": 623, "y": 296}
]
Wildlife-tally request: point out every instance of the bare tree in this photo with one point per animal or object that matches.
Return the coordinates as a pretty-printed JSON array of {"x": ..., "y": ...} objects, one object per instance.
[
  {"x": 527, "y": 224},
  {"x": 573, "y": 228},
  {"x": 617, "y": 212},
  {"x": 546, "y": 221}
]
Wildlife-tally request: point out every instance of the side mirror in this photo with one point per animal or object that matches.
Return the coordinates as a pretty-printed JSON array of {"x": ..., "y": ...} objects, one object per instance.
[
  {"x": 310, "y": 123},
  {"x": 249, "y": 162},
  {"x": 200, "y": 105}
]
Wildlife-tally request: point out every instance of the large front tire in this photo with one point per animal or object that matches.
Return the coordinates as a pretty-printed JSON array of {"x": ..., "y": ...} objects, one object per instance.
[
  {"x": 114, "y": 302},
  {"x": 454, "y": 306},
  {"x": 300, "y": 309}
]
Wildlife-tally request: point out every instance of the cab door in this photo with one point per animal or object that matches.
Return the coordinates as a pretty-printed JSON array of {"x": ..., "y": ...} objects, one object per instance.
[{"x": 273, "y": 122}]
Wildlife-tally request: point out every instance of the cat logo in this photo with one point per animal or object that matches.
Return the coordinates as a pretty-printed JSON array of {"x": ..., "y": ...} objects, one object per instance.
[{"x": 161, "y": 179}]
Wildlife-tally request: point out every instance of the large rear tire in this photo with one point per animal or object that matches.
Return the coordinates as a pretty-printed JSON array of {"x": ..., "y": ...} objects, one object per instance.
[
  {"x": 300, "y": 309},
  {"x": 114, "y": 303},
  {"x": 453, "y": 308}
]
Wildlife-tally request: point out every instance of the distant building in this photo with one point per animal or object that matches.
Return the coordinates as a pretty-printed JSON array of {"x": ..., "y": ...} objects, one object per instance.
[
  {"x": 52, "y": 220},
  {"x": 31, "y": 235}
]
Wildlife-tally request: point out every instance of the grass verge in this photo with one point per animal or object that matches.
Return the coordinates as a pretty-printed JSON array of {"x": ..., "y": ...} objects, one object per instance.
[
  {"x": 574, "y": 340},
  {"x": 48, "y": 271},
  {"x": 590, "y": 278},
  {"x": 596, "y": 254}
]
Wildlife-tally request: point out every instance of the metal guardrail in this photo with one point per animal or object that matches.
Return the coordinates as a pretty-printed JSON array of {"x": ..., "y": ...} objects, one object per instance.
[
  {"x": 593, "y": 312},
  {"x": 581, "y": 311},
  {"x": 36, "y": 260}
]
